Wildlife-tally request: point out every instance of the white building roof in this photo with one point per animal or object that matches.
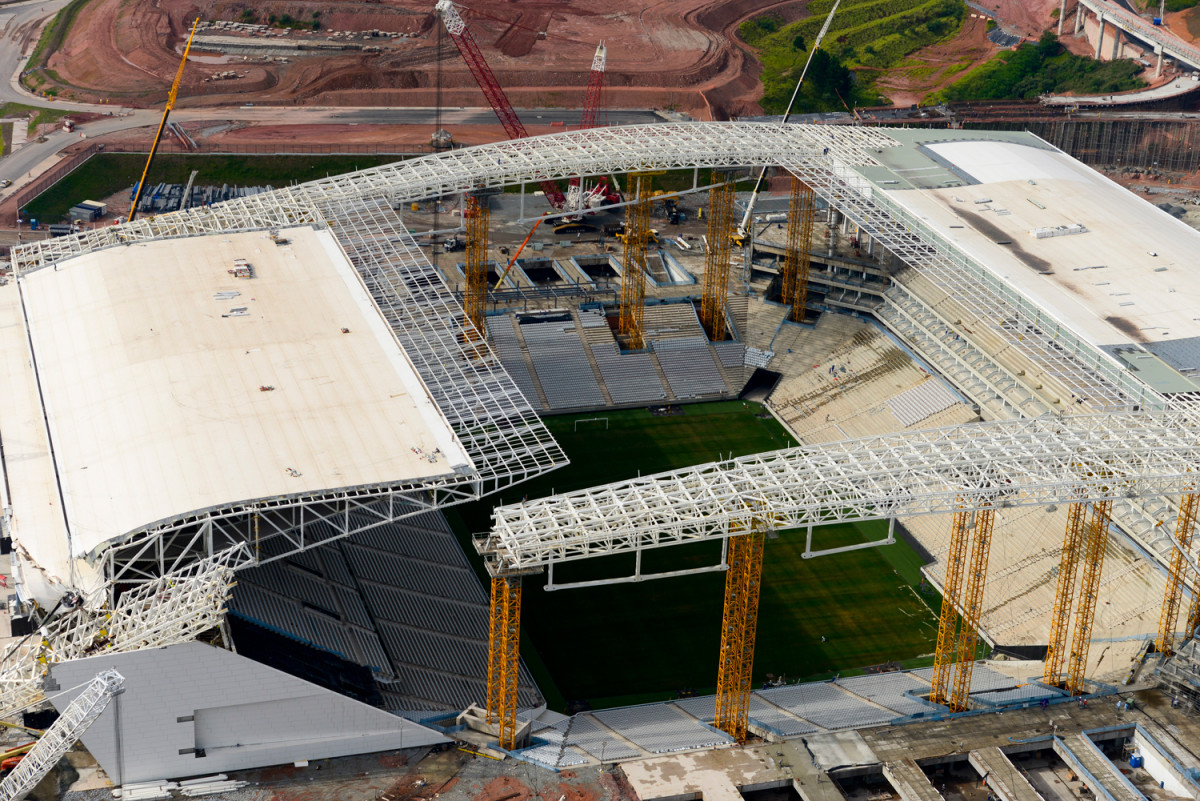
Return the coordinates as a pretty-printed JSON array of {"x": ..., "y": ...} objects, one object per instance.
[
  {"x": 1127, "y": 284},
  {"x": 168, "y": 385}
]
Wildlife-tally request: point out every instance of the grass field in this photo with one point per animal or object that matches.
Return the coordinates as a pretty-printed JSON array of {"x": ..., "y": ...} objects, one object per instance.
[
  {"x": 108, "y": 173},
  {"x": 629, "y": 643},
  {"x": 6, "y": 132}
]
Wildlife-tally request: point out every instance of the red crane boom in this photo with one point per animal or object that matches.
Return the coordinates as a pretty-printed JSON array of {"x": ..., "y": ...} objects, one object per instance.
[
  {"x": 591, "y": 99},
  {"x": 465, "y": 42}
]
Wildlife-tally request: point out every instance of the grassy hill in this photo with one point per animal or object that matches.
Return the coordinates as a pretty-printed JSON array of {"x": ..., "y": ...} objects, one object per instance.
[{"x": 865, "y": 37}]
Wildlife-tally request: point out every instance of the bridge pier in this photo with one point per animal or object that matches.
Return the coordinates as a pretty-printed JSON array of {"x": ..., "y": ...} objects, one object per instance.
[
  {"x": 1158, "y": 51},
  {"x": 1099, "y": 36},
  {"x": 1116, "y": 45},
  {"x": 1062, "y": 12},
  {"x": 1078, "y": 19}
]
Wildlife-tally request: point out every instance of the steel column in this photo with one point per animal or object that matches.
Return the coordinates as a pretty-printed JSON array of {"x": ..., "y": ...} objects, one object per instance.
[
  {"x": 633, "y": 283},
  {"x": 1173, "y": 594},
  {"x": 716, "y": 260},
  {"x": 1093, "y": 562},
  {"x": 968, "y": 635},
  {"x": 801, "y": 211},
  {"x": 504, "y": 662},
  {"x": 956, "y": 560},
  {"x": 475, "y": 299},
  {"x": 739, "y": 623},
  {"x": 1064, "y": 596}
]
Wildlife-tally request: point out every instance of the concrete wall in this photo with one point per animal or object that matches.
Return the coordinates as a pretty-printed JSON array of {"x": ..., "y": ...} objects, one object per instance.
[{"x": 241, "y": 713}]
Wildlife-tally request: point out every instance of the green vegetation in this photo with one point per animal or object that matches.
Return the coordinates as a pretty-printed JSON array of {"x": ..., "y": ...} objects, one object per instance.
[
  {"x": 54, "y": 34},
  {"x": 1180, "y": 5},
  {"x": 6, "y": 130},
  {"x": 40, "y": 115},
  {"x": 630, "y": 643},
  {"x": 1035, "y": 69},
  {"x": 108, "y": 173},
  {"x": 874, "y": 35}
]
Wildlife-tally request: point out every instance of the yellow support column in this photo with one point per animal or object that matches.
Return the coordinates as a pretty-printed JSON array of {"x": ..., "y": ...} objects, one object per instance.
[
  {"x": 475, "y": 298},
  {"x": 1174, "y": 590},
  {"x": 504, "y": 657},
  {"x": 716, "y": 261},
  {"x": 801, "y": 212},
  {"x": 956, "y": 559},
  {"x": 633, "y": 283},
  {"x": 1064, "y": 595},
  {"x": 1093, "y": 561},
  {"x": 738, "y": 626},
  {"x": 968, "y": 634}
]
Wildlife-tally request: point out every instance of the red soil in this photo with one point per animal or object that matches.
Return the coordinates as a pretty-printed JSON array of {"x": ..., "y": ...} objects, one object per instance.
[
  {"x": 664, "y": 53},
  {"x": 941, "y": 64}
]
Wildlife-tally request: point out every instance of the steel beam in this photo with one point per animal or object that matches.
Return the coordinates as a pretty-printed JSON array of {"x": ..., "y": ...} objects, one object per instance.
[
  {"x": 956, "y": 559},
  {"x": 1093, "y": 563},
  {"x": 1064, "y": 595},
  {"x": 739, "y": 623},
  {"x": 715, "y": 287},
  {"x": 972, "y": 609},
  {"x": 1173, "y": 592}
]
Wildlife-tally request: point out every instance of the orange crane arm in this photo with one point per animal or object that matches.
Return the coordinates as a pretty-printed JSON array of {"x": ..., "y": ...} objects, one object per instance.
[
  {"x": 513, "y": 260},
  {"x": 163, "y": 123}
]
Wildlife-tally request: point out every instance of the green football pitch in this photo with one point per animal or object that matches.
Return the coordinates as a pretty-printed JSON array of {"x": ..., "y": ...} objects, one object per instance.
[{"x": 626, "y": 643}]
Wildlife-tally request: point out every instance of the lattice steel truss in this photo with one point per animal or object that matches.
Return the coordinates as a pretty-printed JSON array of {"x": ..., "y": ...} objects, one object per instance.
[
  {"x": 715, "y": 288},
  {"x": 79, "y": 715},
  {"x": 972, "y": 608},
  {"x": 633, "y": 282},
  {"x": 802, "y": 209},
  {"x": 475, "y": 301},
  {"x": 1002, "y": 463},
  {"x": 956, "y": 560},
  {"x": 739, "y": 623},
  {"x": 1173, "y": 592},
  {"x": 173, "y": 609},
  {"x": 1093, "y": 563},
  {"x": 1093, "y": 376},
  {"x": 1064, "y": 594},
  {"x": 504, "y": 658}
]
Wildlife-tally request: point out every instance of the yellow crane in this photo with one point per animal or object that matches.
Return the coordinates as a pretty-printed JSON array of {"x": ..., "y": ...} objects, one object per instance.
[{"x": 163, "y": 124}]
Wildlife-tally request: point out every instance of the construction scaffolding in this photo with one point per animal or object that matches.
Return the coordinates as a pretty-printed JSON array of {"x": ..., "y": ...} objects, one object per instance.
[
  {"x": 972, "y": 608},
  {"x": 802, "y": 209},
  {"x": 1173, "y": 593},
  {"x": 504, "y": 660},
  {"x": 1093, "y": 562},
  {"x": 475, "y": 301},
  {"x": 715, "y": 288},
  {"x": 1064, "y": 594},
  {"x": 633, "y": 283},
  {"x": 956, "y": 560},
  {"x": 739, "y": 622}
]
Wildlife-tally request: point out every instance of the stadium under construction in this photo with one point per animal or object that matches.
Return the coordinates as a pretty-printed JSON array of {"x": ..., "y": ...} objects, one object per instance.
[{"x": 229, "y": 434}]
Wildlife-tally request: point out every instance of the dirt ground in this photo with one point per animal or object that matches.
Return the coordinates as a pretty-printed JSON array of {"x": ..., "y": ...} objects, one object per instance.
[{"x": 680, "y": 54}]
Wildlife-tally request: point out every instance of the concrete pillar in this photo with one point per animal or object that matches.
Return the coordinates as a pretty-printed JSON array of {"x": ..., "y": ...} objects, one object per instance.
[
  {"x": 1078, "y": 19},
  {"x": 1100, "y": 36},
  {"x": 1062, "y": 12},
  {"x": 1158, "y": 67},
  {"x": 1116, "y": 48}
]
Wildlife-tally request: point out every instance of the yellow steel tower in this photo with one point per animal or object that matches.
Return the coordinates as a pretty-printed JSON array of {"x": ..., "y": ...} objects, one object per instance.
[
  {"x": 633, "y": 286},
  {"x": 801, "y": 211},
  {"x": 956, "y": 559},
  {"x": 1093, "y": 561},
  {"x": 716, "y": 261},
  {"x": 739, "y": 622},
  {"x": 1064, "y": 596},
  {"x": 1174, "y": 590},
  {"x": 972, "y": 608},
  {"x": 475, "y": 300},
  {"x": 504, "y": 660}
]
